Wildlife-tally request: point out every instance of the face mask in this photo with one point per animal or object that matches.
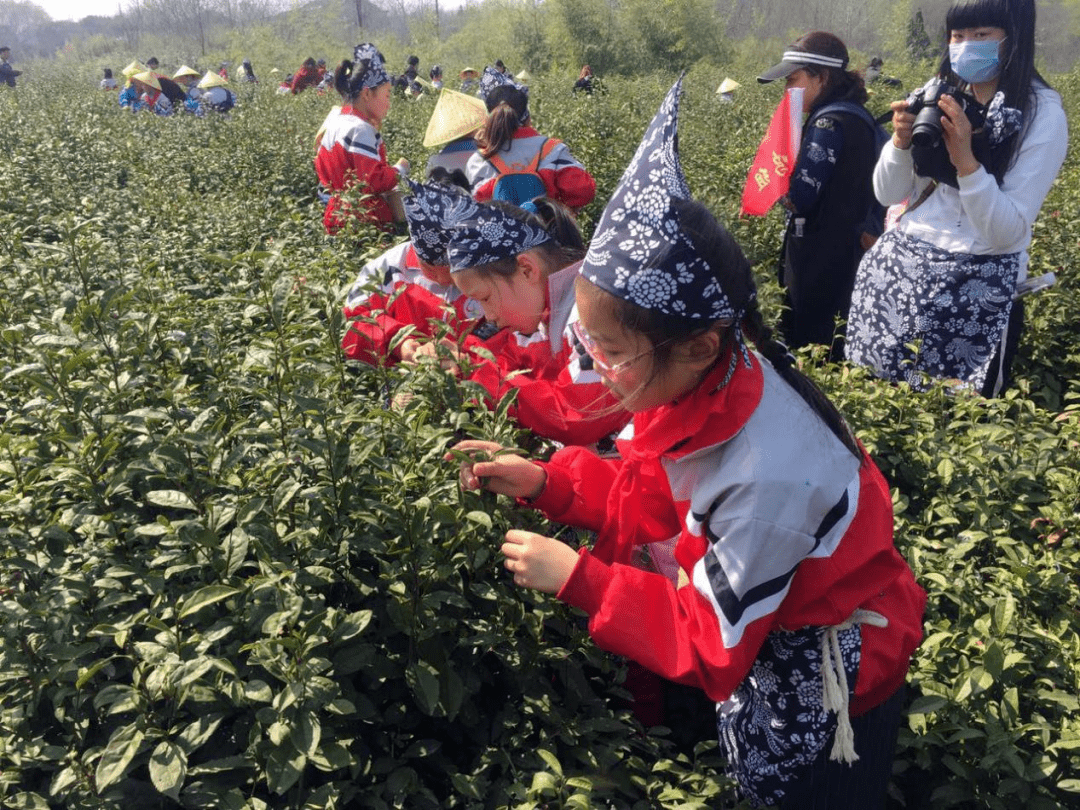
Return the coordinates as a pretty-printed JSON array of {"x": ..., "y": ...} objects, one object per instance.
[{"x": 975, "y": 61}]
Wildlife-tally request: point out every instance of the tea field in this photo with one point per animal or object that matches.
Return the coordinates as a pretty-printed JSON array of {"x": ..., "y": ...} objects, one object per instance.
[{"x": 235, "y": 572}]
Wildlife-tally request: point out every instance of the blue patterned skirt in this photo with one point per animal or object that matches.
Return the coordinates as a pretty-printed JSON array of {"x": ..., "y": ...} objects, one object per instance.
[
  {"x": 917, "y": 309},
  {"x": 774, "y": 726}
]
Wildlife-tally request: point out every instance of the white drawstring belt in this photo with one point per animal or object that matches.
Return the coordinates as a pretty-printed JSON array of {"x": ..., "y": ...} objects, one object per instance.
[{"x": 834, "y": 696}]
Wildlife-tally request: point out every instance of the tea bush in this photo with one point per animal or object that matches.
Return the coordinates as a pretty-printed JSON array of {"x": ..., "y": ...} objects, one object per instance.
[{"x": 236, "y": 572}]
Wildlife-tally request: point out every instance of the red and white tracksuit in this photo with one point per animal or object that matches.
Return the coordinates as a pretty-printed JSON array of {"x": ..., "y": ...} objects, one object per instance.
[{"x": 351, "y": 152}]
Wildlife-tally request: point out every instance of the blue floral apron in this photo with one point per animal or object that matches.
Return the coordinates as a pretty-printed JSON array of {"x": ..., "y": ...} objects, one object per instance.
[
  {"x": 774, "y": 726},
  {"x": 954, "y": 308}
]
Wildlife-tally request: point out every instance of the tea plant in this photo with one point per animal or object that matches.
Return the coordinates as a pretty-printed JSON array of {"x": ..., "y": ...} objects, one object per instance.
[{"x": 236, "y": 572}]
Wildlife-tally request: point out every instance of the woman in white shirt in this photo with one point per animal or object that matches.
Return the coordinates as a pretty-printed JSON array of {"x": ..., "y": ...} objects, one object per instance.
[{"x": 943, "y": 279}]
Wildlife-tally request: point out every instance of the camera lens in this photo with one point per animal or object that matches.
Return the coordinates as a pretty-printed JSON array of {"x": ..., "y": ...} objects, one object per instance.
[{"x": 926, "y": 131}]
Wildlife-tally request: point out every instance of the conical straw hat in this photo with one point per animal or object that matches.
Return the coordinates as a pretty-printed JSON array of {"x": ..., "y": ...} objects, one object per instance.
[
  {"x": 523, "y": 76},
  {"x": 185, "y": 71},
  {"x": 133, "y": 68},
  {"x": 146, "y": 77},
  {"x": 727, "y": 85},
  {"x": 471, "y": 70},
  {"x": 455, "y": 115},
  {"x": 212, "y": 79}
]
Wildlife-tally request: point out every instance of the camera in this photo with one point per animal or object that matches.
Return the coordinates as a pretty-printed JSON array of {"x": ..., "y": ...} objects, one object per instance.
[{"x": 926, "y": 131}]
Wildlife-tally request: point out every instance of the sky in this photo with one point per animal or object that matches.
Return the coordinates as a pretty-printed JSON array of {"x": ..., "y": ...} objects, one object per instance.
[{"x": 77, "y": 9}]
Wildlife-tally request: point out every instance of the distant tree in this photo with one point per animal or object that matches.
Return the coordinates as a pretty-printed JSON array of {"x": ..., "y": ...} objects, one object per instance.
[{"x": 918, "y": 41}]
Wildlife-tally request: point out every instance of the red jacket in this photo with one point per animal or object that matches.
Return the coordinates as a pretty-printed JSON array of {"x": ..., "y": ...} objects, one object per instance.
[
  {"x": 351, "y": 152},
  {"x": 559, "y": 395},
  {"x": 390, "y": 294},
  {"x": 305, "y": 78},
  {"x": 777, "y": 527},
  {"x": 564, "y": 177}
]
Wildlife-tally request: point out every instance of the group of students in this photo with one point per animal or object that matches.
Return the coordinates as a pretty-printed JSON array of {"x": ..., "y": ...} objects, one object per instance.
[
  {"x": 937, "y": 294},
  {"x": 502, "y": 155},
  {"x": 743, "y": 535},
  {"x": 187, "y": 90}
]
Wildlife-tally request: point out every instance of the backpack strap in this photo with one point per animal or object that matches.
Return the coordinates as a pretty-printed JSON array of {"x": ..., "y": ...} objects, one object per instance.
[
  {"x": 850, "y": 108},
  {"x": 545, "y": 149}
]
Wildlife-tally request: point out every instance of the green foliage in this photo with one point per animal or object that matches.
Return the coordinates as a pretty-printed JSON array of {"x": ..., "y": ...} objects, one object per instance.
[{"x": 236, "y": 574}]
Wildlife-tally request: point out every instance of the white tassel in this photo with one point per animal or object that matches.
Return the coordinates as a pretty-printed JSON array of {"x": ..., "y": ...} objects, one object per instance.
[{"x": 834, "y": 693}]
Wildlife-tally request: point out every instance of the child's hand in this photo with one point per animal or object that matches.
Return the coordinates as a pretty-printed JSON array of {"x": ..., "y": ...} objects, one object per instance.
[
  {"x": 539, "y": 562},
  {"x": 505, "y": 474}
]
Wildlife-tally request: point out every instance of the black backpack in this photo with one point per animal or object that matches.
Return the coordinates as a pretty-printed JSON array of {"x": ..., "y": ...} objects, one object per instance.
[{"x": 874, "y": 223}]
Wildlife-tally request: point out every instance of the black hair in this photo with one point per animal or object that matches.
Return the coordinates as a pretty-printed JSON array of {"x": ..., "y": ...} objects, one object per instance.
[
  {"x": 152, "y": 60},
  {"x": 349, "y": 76},
  {"x": 566, "y": 245},
  {"x": 668, "y": 333},
  {"x": 1018, "y": 76},
  {"x": 108, "y": 71},
  {"x": 414, "y": 60},
  {"x": 309, "y": 63},
  {"x": 455, "y": 178},
  {"x": 840, "y": 84},
  {"x": 508, "y": 109}
]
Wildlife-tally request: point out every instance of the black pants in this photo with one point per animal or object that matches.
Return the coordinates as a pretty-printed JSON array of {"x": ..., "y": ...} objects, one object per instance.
[{"x": 862, "y": 785}]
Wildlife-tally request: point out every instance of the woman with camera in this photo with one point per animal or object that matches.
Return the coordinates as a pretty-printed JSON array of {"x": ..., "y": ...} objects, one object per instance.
[
  {"x": 830, "y": 203},
  {"x": 972, "y": 157}
]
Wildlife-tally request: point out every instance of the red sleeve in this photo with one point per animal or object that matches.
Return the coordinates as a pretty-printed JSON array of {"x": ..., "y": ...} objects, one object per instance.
[
  {"x": 672, "y": 632},
  {"x": 572, "y": 186},
  {"x": 577, "y": 487},
  {"x": 483, "y": 192},
  {"x": 554, "y": 407},
  {"x": 377, "y": 175},
  {"x": 381, "y": 317}
]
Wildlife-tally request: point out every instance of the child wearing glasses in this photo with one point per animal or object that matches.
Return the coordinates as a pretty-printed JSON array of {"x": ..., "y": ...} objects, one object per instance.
[{"x": 787, "y": 603}]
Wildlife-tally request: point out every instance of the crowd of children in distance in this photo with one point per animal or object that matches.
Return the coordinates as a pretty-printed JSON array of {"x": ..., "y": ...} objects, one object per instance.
[
  {"x": 743, "y": 536},
  {"x": 187, "y": 90}
]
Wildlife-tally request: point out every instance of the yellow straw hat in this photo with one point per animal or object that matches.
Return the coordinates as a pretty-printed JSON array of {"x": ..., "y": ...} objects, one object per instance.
[
  {"x": 146, "y": 77},
  {"x": 727, "y": 86},
  {"x": 212, "y": 79},
  {"x": 185, "y": 71},
  {"x": 523, "y": 77},
  {"x": 133, "y": 68},
  {"x": 468, "y": 70},
  {"x": 455, "y": 115}
]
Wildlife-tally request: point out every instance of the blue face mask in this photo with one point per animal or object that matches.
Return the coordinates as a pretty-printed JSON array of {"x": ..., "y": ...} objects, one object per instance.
[{"x": 975, "y": 61}]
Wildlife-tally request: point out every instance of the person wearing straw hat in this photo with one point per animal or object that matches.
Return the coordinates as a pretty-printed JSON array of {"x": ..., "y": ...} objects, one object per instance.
[
  {"x": 453, "y": 125},
  {"x": 830, "y": 201},
  {"x": 216, "y": 95},
  {"x": 784, "y": 599},
  {"x": 470, "y": 80},
  {"x": 150, "y": 96},
  {"x": 188, "y": 77},
  {"x": 515, "y": 162},
  {"x": 129, "y": 95},
  {"x": 351, "y": 156},
  {"x": 726, "y": 91}
]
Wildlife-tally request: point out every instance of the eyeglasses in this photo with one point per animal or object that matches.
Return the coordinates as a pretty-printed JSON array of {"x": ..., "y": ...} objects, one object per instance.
[{"x": 600, "y": 362}]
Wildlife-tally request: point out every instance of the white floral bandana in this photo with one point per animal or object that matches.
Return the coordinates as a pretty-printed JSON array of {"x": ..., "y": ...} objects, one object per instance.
[
  {"x": 489, "y": 234},
  {"x": 639, "y": 252},
  {"x": 376, "y": 70},
  {"x": 431, "y": 211},
  {"x": 493, "y": 78}
]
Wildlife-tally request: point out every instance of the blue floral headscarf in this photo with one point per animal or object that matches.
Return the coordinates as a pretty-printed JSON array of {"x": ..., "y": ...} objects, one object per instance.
[
  {"x": 638, "y": 252},
  {"x": 489, "y": 234},
  {"x": 431, "y": 211},
  {"x": 375, "y": 73}
]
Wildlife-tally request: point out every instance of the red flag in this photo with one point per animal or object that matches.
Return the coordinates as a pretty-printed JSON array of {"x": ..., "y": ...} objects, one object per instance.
[{"x": 770, "y": 174}]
